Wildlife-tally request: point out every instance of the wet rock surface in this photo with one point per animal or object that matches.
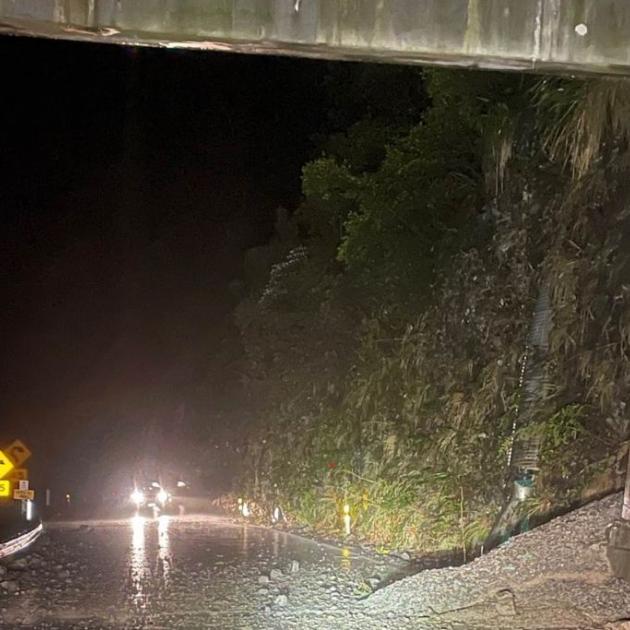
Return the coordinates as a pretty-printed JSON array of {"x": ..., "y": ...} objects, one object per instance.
[
  {"x": 190, "y": 572},
  {"x": 208, "y": 573}
]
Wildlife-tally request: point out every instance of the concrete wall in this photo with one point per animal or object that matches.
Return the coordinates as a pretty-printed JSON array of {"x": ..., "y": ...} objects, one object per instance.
[{"x": 591, "y": 36}]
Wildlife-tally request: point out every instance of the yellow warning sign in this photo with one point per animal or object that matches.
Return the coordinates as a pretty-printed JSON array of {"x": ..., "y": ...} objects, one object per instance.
[
  {"x": 17, "y": 452},
  {"x": 6, "y": 465},
  {"x": 5, "y": 488}
]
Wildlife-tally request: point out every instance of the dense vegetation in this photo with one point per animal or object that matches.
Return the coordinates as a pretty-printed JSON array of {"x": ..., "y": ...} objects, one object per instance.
[{"x": 386, "y": 321}]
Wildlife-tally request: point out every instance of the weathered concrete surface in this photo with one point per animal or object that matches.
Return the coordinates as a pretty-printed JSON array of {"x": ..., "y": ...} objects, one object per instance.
[{"x": 590, "y": 36}]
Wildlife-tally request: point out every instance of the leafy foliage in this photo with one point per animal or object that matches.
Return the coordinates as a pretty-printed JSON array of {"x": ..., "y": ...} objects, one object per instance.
[{"x": 385, "y": 343}]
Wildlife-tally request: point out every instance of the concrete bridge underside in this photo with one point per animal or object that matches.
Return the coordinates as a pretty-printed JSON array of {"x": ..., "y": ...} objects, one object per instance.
[{"x": 573, "y": 36}]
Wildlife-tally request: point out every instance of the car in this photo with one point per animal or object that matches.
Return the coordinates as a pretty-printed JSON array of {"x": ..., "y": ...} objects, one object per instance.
[{"x": 151, "y": 498}]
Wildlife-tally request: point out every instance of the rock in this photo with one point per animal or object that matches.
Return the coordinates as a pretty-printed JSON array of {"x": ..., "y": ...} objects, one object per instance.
[
  {"x": 504, "y": 603},
  {"x": 10, "y": 586},
  {"x": 63, "y": 574},
  {"x": 295, "y": 566},
  {"x": 19, "y": 565},
  {"x": 404, "y": 556},
  {"x": 264, "y": 579},
  {"x": 275, "y": 574},
  {"x": 623, "y": 624},
  {"x": 281, "y": 600},
  {"x": 373, "y": 581},
  {"x": 262, "y": 591},
  {"x": 3, "y": 570}
]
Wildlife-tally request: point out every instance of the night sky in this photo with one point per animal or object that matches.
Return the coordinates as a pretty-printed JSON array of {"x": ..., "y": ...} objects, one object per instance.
[{"x": 131, "y": 183}]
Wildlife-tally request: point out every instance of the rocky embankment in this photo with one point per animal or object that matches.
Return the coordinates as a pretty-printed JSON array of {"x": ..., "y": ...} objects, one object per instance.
[{"x": 556, "y": 576}]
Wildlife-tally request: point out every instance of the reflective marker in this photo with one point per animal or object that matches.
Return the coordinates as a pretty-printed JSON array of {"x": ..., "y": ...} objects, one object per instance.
[{"x": 346, "y": 519}]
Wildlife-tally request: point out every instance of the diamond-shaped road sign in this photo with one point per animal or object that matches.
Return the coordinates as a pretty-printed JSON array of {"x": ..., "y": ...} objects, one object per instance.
[
  {"x": 18, "y": 474},
  {"x": 6, "y": 465},
  {"x": 17, "y": 452}
]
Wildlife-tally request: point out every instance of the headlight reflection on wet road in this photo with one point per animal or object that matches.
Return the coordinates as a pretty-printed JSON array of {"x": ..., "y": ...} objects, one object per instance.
[
  {"x": 149, "y": 567},
  {"x": 193, "y": 571},
  {"x": 346, "y": 558},
  {"x": 164, "y": 549},
  {"x": 137, "y": 562},
  {"x": 245, "y": 540},
  {"x": 278, "y": 542}
]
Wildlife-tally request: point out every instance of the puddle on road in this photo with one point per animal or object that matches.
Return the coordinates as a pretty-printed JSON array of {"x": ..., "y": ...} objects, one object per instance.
[
  {"x": 171, "y": 558},
  {"x": 157, "y": 547},
  {"x": 149, "y": 564},
  {"x": 138, "y": 569},
  {"x": 165, "y": 559},
  {"x": 144, "y": 571}
]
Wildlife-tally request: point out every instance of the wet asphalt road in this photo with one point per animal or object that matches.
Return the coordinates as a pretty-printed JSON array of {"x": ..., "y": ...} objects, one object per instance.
[{"x": 182, "y": 572}]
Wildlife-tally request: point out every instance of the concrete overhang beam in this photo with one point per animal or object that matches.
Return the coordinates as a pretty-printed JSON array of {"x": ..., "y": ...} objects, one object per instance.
[{"x": 568, "y": 36}]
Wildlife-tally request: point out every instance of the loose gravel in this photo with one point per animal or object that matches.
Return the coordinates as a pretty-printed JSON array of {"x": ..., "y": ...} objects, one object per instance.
[{"x": 231, "y": 576}]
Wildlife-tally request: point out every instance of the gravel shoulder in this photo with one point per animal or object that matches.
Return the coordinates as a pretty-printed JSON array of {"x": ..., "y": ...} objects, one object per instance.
[{"x": 556, "y": 576}]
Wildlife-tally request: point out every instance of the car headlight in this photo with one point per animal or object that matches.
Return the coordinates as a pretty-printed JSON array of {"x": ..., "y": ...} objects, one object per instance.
[
  {"x": 162, "y": 496},
  {"x": 137, "y": 497}
]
